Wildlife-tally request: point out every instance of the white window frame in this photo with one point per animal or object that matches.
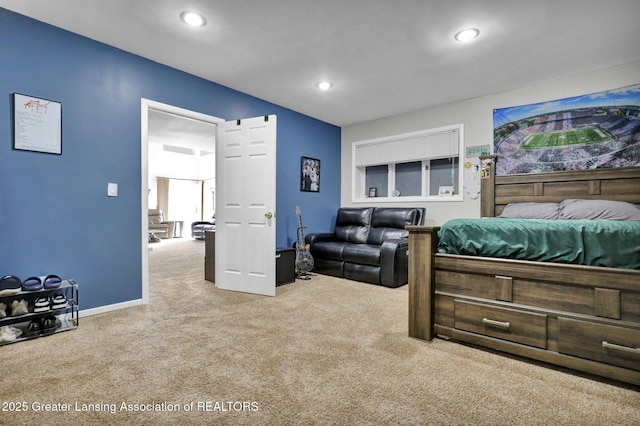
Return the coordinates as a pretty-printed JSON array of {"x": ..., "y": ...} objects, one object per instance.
[{"x": 359, "y": 193}]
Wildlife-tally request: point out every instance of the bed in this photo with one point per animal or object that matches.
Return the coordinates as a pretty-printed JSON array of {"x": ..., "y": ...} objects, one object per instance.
[{"x": 555, "y": 310}]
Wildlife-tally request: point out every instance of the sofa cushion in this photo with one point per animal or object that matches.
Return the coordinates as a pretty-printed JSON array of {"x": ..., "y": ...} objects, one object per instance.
[
  {"x": 364, "y": 254},
  {"x": 362, "y": 273},
  {"x": 328, "y": 250},
  {"x": 329, "y": 267},
  {"x": 352, "y": 225},
  {"x": 389, "y": 223}
]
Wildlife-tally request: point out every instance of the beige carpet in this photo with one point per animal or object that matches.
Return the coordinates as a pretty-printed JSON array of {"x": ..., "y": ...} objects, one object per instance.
[{"x": 324, "y": 351}]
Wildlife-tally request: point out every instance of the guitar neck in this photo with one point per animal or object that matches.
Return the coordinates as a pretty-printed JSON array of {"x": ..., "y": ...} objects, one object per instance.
[
  {"x": 301, "y": 232},
  {"x": 299, "y": 213}
]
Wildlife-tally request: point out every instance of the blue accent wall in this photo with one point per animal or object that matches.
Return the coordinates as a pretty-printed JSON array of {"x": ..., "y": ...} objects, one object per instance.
[{"x": 55, "y": 216}]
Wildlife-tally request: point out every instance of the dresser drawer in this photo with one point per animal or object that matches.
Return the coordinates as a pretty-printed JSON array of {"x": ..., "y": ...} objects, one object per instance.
[
  {"x": 599, "y": 342},
  {"x": 528, "y": 328}
]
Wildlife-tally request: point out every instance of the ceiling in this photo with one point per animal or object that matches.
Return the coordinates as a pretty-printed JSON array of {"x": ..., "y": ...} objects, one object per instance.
[
  {"x": 181, "y": 134},
  {"x": 383, "y": 57}
]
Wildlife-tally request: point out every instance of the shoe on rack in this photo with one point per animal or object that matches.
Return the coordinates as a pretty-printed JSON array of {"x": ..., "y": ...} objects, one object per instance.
[
  {"x": 10, "y": 284},
  {"x": 34, "y": 329},
  {"x": 9, "y": 334},
  {"x": 19, "y": 307},
  {"x": 51, "y": 282},
  {"x": 48, "y": 325},
  {"x": 59, "y": 302},
  {"x": 64, "y": 321},
  {"x": 32, "y": 284},
  {"x": 3, "y": 310},
  {"x": 42, "y": 304},
  {"x": 6, "y": 335}
]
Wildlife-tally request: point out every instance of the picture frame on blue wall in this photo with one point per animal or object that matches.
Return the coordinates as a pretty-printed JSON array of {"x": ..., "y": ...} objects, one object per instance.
[
  {"x": 309, "y": 174},
  {"x": 37, "y": 124}
]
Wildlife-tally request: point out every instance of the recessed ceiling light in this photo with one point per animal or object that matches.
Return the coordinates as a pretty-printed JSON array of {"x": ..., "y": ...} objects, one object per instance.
[
  {"x": 467, "y": 34},
  {"x": 193, "y": 19},
  {"x": 325, "y": 85}
]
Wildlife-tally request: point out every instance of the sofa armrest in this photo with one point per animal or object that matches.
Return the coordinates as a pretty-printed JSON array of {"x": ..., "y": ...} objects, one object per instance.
[
  {"x": 394, "y": 264},
  {"x": 203, "y": 222},
  {"x": 319, "y": 237}
]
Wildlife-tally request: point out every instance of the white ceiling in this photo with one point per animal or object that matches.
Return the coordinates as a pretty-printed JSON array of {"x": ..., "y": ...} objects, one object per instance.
[
  {"x": 191, "y": 137},
  {"x": 384, "y": 57}
]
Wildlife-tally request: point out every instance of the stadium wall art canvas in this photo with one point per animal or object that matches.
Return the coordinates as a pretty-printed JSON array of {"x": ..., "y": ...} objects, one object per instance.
[{"x": 598, "y": 130}]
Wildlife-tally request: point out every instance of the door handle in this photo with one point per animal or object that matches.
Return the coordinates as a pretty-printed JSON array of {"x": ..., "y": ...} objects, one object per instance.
[{"x": 268, "y": 215}]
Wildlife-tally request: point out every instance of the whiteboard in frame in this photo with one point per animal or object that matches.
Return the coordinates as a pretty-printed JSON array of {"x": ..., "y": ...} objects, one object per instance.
[{"x": 37, "y": 124}]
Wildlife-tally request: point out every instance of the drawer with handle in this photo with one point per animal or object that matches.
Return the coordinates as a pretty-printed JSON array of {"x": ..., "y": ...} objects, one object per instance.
[
  {"x": 528, "y": 328},
  {"x": 600, "y": 342}
]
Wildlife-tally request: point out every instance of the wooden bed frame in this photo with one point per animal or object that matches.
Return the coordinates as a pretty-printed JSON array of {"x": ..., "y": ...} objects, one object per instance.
[{"x": 580, "y": 317}]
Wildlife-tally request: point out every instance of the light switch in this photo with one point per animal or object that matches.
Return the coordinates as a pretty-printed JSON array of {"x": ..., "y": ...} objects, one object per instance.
[{"x": 112, "y": 190}]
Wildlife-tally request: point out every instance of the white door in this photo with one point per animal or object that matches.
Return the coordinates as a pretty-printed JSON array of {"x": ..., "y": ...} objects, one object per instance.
[{"x": 245, "y": 203}]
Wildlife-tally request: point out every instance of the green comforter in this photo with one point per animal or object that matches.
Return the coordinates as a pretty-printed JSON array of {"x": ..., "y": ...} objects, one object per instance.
[{"x": 609, "y": 243}]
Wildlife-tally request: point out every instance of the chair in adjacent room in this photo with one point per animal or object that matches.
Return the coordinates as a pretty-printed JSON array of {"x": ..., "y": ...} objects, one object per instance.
[
  {"x": 160, "y": 227},
  {"x": 199, "y": 228}
]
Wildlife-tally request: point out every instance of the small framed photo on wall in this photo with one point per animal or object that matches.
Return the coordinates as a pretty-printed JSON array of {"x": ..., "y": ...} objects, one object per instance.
[
  {"x": 309, "y": 174},
  {"x": 445, "y": 191}
]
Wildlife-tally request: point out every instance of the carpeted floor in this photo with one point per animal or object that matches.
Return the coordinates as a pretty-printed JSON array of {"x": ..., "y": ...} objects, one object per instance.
[{"x": 325, "y": 351}]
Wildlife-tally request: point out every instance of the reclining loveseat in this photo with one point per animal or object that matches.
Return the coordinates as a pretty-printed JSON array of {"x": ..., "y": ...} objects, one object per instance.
[
  {"x": 368, "y": 244},
  {"x": 200, "y": 227},
  {"x": 158, "y": 227}
]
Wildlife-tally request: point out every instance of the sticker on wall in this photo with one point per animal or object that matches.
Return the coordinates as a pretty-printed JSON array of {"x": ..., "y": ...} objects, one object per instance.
[
  {"x": 477, "y": 151},
  {"x": 471, "y": 183},
  {"x": 485, "y": 168}
]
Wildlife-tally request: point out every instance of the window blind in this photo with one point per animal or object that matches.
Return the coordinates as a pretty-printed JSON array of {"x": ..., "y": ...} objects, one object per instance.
[{"x": 437, "y": 145}]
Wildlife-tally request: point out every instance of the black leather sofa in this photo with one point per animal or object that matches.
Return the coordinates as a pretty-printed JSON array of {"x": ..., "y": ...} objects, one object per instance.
[
  {"x": 368, "y": 244},
  {"x": 198, "y": 228}
]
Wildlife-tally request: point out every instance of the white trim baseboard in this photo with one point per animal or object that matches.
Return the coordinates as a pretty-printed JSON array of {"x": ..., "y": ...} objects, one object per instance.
[{"x": 109, "y": 308}]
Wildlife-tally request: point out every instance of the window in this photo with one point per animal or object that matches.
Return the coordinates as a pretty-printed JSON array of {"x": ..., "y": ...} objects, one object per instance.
[
  {"x": 444, "y": 172},
  {"x": 409, "y": 179},
  {"x": 377, "y": 180},
  {"x": 420, "y": 166}
]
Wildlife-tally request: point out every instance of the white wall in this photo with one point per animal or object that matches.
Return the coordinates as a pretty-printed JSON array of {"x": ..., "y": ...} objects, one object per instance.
[
  {"x": 178, "y": 166},
  {"x": 477, "y": 116}
]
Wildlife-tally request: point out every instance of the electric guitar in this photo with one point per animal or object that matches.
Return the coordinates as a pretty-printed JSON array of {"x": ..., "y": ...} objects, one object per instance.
[{"x": 304, "y": 260}]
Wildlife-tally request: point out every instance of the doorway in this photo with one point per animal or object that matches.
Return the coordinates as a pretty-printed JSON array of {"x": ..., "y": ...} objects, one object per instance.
[{"x": 184, "y": 131}]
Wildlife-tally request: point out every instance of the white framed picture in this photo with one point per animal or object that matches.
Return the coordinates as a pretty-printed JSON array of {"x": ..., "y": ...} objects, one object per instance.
[
  {"x": 445, "y": 191},
  {"x": 37, "y": 124}
]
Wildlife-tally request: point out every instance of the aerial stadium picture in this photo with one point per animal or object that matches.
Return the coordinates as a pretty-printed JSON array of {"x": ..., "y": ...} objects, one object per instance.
[{"x": 597, "y": 130}]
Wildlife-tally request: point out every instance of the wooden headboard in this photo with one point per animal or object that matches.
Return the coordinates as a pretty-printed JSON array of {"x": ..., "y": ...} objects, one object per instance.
[{"x": 619, "y": 184}]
